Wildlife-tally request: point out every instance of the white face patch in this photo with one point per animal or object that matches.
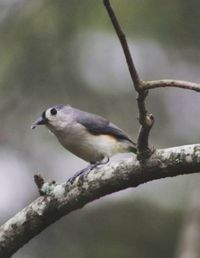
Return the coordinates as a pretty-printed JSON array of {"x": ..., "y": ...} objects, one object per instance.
[
  {"x": 57, "y": 119},
  {"x": 49, "y": 116}
]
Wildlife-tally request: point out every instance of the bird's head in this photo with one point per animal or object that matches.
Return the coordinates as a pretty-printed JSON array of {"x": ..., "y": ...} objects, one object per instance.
[{"x": 55, "y": 117}]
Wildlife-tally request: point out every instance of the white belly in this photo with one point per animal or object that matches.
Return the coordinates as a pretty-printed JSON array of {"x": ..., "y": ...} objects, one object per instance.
[{"x": 89, "y": 147}]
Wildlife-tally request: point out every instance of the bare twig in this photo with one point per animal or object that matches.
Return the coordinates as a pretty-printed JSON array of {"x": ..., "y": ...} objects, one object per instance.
[
  {"x": 170, "y": 83},
  {"x": 39, "y": 181},
  {"x": 124, "y": 44},
  {"x": 146, "y": 121},
  {"x": 61, "y": 199}
]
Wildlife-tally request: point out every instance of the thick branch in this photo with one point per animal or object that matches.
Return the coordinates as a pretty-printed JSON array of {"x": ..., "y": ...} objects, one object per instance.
[
  {"x": 170, "y": 83},
  {"x": 62, "y": 199}
]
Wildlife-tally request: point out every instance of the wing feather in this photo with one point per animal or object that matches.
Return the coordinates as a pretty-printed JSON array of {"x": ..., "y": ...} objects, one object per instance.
[{"x": 98, "y": 125}]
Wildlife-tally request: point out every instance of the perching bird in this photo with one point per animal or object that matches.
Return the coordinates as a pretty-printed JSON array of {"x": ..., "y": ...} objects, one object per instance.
[{"x": 88, "y": 136}]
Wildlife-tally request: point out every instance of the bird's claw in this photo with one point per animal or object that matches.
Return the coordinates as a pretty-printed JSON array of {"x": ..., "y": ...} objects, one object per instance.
[{"x": 84, "y": 171}]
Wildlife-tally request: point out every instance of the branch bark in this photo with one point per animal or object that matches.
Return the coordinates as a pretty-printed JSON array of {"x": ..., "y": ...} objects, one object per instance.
[
  {"x": 61, "y": 199},
  {"x": 146, "y": 120}
]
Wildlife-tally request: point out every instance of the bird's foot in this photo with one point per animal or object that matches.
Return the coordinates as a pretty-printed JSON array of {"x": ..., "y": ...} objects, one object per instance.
[
  {"x": 81, "y": 173},
  {"x": 86, "y": 170}
]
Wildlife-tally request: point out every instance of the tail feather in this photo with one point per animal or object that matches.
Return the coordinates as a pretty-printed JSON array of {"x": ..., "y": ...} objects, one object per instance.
[{"x": 133, "y": 148}]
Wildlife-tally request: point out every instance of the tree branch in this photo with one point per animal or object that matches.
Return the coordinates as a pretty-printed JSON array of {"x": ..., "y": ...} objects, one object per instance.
[
  {"x": 171, "y": 83},
  {"x": 124, "y": 44},
  {"x": 146, "y": 121},
  {"x": 61, "y": 199}
]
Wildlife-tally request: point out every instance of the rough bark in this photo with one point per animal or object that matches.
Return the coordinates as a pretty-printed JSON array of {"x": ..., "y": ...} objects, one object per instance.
[{"x": 61, "y": 199}]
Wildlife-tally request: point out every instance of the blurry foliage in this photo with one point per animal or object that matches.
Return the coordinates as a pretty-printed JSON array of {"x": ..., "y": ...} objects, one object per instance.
[
  {"x": 173, "y": 23},
  {"x": 35, "y": 45},
  {"x": 117, "y": 230},
  {"x": 38, "y": 57}
]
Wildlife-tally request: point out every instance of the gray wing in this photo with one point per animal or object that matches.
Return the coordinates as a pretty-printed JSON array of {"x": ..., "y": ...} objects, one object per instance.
[{"x": 98, "y": 125}]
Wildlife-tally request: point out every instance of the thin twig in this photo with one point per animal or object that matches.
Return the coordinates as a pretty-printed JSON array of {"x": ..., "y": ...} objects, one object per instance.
[
  {"x": 146, "y": 121},
  {"x": 170, "y": 83},
  {"x": 124, "y": 44},
  {"x": 39, "y": 181}
]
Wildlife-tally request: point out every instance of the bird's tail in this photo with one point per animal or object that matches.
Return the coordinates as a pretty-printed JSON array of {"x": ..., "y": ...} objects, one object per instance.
[
  {"x": 126, "y": 146},
  {"x": 133, "y": 148}
]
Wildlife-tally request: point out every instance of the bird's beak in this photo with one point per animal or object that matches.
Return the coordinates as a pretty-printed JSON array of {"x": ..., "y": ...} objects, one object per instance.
[{"x": 39, "y": 121}]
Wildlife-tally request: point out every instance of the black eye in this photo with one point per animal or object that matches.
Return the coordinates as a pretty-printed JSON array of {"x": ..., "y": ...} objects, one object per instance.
[{"x": 53, "y": 111}]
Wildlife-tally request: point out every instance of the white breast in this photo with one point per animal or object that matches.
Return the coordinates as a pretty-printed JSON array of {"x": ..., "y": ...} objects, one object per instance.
[{"x": 91, "y": 148}]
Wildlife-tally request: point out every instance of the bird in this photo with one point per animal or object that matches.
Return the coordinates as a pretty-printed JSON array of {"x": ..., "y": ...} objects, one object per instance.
[{"x": 91, "y": 137}]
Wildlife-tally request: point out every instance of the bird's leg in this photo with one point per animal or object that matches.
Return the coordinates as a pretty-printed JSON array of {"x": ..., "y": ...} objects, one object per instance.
[
  {"x": 87, "y": 169},
  {"x": 81, "y": 172}
]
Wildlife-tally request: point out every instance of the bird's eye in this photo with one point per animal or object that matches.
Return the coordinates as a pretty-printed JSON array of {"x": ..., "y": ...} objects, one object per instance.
[{"x": 53, "y": 111}]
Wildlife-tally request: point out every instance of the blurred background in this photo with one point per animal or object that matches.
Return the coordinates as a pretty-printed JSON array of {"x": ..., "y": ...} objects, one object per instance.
[{"x": 66, "y": 52}]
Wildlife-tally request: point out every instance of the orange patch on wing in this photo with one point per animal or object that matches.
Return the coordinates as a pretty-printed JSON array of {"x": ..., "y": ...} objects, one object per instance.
[{"x": 109, "y": 136}]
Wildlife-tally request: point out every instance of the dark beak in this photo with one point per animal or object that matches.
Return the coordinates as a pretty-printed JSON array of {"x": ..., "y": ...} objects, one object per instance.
[{"x": 39, "y": 121}]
